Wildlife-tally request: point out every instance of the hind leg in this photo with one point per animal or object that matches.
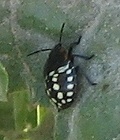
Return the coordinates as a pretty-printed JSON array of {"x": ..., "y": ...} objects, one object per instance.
[{"x": 78, "y": 69}]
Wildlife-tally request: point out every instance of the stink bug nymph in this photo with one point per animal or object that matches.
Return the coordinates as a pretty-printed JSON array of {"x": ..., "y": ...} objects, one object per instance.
[{"x": 61, "y": 75}]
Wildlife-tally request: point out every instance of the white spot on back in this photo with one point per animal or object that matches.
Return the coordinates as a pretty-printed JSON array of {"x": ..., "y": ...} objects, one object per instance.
[
  {"x": 63, "y": 101},
  {"x": 68, "y": 71},
  {"x": 69, "y": 100},
  {"x": 55, "y": 75},
  {"x": 49, "y": 89},
  {"x": 51, "y": 73},
  {"x": 46, "y": 77},
  {"x": 70, "y": 93},
  {"x": 70, "y": 86},
  {"x": 54, "y": 79},
  {"x": 59, "y": 104},
  {"x": 45, "y": 85},
  {"x": 63, "y": 68},
  {"x": 48, "y": 93},
  {"x": 59, "y": 95},
  {"x": 56, "y": 87},
  {"x": 70, "y": 78},
  {"x": 53, "y": 100}
]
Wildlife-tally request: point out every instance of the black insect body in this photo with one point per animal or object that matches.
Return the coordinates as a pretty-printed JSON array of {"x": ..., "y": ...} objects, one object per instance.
[
  {"x": 61, "y": 84},
  {"x": 61, "y": 76}
]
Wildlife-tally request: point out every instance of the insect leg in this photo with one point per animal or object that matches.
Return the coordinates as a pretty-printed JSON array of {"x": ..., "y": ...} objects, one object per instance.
[
  {"x": 73, "y": 45},
  {"x": 89, "y": 80},
  {"x": 83, "y": 57},
  {"x": 86, "y": 76},
  {"x": 76, "y": 42}
]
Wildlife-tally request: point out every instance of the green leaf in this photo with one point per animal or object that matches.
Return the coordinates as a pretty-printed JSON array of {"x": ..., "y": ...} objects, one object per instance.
[
  {"x": 45, "y": 130},
  {"x": 24, "y": 118},
  {"x": 4, "y": 10},
  {"x": 96, "y": 114},
  {"x": 9, "y": 58},
  {"x": 3, "y": 83},
  {"x": 40, "y": 15},
  {"x": 33, "y": 25},
  {"x": 6, "y": 116}
]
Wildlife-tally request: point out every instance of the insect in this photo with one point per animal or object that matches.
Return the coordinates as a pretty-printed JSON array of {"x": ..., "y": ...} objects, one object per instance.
[{"x": 61, "y": 75}]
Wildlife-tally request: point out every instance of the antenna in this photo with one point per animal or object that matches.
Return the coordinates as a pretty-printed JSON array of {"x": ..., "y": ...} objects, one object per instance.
[
  {"x": 42, "y": 50},
  {"x": 61, "y": 32}
]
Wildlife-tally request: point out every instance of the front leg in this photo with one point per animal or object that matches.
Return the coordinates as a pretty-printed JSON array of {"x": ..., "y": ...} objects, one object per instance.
[
  {"x": 77, "y": 42},
  {"x": 73, "y": 45}
]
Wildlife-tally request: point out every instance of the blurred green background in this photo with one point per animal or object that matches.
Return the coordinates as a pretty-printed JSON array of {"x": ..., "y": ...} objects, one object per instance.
[{"x": 25, "y": 111}]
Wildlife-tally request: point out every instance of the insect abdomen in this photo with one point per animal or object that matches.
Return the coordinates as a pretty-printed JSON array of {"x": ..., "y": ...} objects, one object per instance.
[{"x": 61, "y": 85}]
